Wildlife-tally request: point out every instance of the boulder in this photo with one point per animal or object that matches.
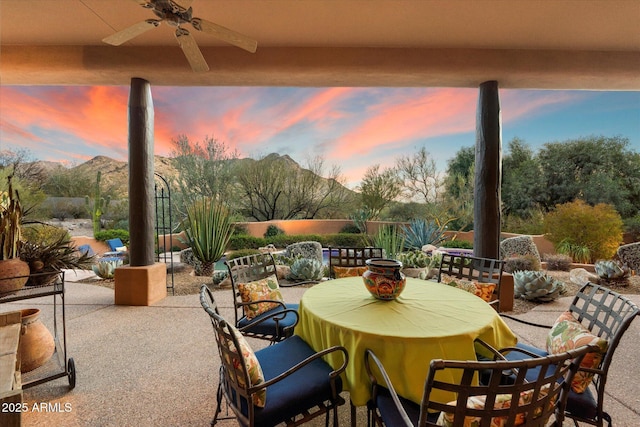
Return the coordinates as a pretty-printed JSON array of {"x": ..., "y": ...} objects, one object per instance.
[{"x": 580, "y": 276}]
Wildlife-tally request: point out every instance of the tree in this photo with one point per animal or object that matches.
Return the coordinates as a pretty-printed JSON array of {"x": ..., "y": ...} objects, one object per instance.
[
  {"x": 276, "y": 187},
  {"x": 596, "y": 169},
  {"x": 378, "y": 189},
  {"x": 522, "y": 181},
  {"x": 63, "y": 182},
  {"x": 23, "y": 165},
  {"x": 459, "y": 183},
  {"x": 419, "y": 176},
  {"x": 204, "y": 168}
]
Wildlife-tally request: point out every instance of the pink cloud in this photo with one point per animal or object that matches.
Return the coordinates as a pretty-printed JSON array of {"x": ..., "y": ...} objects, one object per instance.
[{"x": 401, "y": 121}]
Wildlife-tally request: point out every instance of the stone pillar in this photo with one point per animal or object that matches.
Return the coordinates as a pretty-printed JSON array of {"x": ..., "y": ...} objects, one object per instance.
[
  {"x": 488, "y": 176},
  {"x": 141, "y": 179}
]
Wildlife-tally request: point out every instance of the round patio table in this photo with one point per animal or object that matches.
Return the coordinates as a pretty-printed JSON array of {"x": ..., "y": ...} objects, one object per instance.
[{"x": 428, "y": 321}]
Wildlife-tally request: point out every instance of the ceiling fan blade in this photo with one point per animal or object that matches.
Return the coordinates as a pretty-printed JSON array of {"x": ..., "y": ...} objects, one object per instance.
[
  {"x": 133, "y": 31},
  {"x": 183, "y": 3},
  {"x": 225, "y": 34},
  {"x": 191, "y": 50}
]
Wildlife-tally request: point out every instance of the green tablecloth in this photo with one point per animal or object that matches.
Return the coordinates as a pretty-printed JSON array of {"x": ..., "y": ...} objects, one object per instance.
[{"x": 428, "y": 321}]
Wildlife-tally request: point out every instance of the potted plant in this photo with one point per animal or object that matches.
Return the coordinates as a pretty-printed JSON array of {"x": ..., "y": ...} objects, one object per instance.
[
  {"x": 13, "y": 271},
  {"x": 46, "y": 259}
]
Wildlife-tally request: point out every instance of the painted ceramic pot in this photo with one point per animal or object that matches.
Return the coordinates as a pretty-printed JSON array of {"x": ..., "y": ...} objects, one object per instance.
[{"x": 383, "y": 278}]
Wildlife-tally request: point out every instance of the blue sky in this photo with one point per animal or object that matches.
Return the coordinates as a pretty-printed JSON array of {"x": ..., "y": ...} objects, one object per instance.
[{"x": 350, "y": 127}]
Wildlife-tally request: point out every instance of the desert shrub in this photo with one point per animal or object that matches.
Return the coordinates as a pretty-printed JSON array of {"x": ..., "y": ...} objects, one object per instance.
[
  {"x": 632, "y": 227},
  {"x": 308, "y": 249},
  {"x": 519, "y": 246},
  {"x": 557, "y": 262},
  {"x": 43, "y": 233},
  {"x": 272, "y": 231},
  {"x": 345, "y": 240},
  {"x": 350, "y": 229},
  {"x": 283, "y": 240},
  {"x": 239, "y": 230},
  {"x": 521, "y": 263},
  {"x": 533, "y": 224},
  {"x": 63, "y": 208},
  {"x": 574, "y": 226},
  {"x": 243, "y": 241},
  {"x": 115, "y": 233},
  {"x": 122, "y": 224},
  {"x": 460, "y": 244},
  {"x": 240, "y": 253}
]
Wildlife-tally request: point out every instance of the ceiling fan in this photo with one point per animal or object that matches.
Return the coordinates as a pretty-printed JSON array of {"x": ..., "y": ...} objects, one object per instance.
[{"x": 175, "y": 15}]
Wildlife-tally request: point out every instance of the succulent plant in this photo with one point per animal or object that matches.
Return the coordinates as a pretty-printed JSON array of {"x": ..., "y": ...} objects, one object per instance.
[
  {"x": 612, "y": 272},
  {"x": 536, "y": 286},
  {"x": 106, "y": 268},
  {"x": 414, "y": 259},
  {"x": 306, "y": 269},
  {"x": 421, "y": 232}
]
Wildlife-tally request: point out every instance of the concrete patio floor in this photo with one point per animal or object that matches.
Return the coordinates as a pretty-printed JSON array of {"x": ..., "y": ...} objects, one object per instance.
[{"x": 143, "y": 366}]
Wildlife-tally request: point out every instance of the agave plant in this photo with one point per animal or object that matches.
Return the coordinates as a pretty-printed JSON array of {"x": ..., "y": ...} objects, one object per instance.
[
  {"x": 421, "y": 232},
  {"x": 306, "y": 269},
  {"x": 612, "y": 272},
  {"x": 106, "y": 268},
  {"x": 207, "y": 228},
  {"x": 537, "y": 286}
]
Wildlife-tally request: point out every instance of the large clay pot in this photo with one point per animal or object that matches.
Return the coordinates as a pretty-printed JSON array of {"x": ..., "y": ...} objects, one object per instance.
[
  {"x": 14, "y": 273},
  {"x": 36, "y": 343},
  {"x": 383, "y": 278}
]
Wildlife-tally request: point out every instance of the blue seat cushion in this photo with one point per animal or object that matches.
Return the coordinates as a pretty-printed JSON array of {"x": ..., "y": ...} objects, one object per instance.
[
  {"x": 114, "y": 244},
  {"x": 579, "y": 404},
  {"x": 86, "y": 249},
  {"x": 300, "y": 391},
  {"x": 268, "y": 327}
]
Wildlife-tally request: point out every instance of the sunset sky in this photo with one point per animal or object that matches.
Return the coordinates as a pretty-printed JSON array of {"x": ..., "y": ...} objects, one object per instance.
[{"x": 350, "y": 127}]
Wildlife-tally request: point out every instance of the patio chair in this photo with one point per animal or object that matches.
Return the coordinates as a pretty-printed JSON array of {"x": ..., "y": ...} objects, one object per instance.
[
  {"x": 477, "y": 270},
  {"x": 287, "y": 382},
  {"x": 604, "y": 314},
  {"x": 260, "y": 311},
  {"x": 350, "y": 261},
  {"x": 531, "y": 402}
]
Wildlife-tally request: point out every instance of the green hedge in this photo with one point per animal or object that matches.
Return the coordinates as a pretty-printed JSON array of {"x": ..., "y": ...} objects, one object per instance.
[
  {"x": 113, "y": 234},
  {"x": 283, "y": 240}
]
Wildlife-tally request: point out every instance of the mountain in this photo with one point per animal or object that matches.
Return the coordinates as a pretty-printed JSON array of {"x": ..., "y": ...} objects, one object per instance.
[{"x": 115, "y": 173}]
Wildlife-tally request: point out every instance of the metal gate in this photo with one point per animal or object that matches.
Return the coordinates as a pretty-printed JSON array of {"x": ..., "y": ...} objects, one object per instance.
[{"x": 164, "y": 228}]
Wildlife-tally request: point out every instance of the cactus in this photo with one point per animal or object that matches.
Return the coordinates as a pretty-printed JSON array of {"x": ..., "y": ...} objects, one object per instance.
[
  {"x": 612, "y": 272},
  {"x": 536, "y": 286},
  {"x": 306, "y": 269},
  {"x": 106, "y": 268},
  {"x": 414, "y": 259},
  {"x": 98, "y": 206}
]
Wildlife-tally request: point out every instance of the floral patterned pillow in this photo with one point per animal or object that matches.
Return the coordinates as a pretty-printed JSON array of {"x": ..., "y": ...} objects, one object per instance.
[
  {"x": 341, "y": 272},
  {"x": 566, "y": 334},
  {"x": 260, "y": 290},
  {"x": 503, "y": 401},
  {"x": 256, "y": 376},
  {"x": 482, "y": 290}
]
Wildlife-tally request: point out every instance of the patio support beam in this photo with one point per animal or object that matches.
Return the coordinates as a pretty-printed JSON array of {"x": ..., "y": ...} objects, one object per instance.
[
  {"x": 488, "y": 173},
  {"x": 141, "y": 178}
]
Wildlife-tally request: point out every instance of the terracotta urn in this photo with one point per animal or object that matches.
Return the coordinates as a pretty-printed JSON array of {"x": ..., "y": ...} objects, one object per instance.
[
  {"x": 36, "y": 343},
  {"x": 383, "y": 278},
  {"x": 14, "y": 273}
]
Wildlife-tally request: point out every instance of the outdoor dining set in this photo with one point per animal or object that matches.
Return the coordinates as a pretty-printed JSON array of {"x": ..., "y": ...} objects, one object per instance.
[{"x": 437, "y": 353}]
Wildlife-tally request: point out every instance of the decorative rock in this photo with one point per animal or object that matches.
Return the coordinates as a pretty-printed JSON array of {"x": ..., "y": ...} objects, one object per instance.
[
  {"x": 630, "y": 255},
  {"x": 427, "y": 249},
  {"x": 270, "y": 248},
  {"x": 580, "y": 276},
  {"x": 282, "y": 271},
  {"x": 519, "y": 245}
]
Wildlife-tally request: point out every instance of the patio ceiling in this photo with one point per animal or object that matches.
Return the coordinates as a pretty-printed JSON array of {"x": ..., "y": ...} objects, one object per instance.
[{"x": 570, "y": 44}]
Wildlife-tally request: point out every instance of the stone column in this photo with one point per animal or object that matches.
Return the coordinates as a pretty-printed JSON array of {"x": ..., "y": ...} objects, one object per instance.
[
  {"x": 141, "y": 180},
  {"x": 488, "y": 176}
]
